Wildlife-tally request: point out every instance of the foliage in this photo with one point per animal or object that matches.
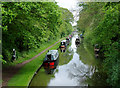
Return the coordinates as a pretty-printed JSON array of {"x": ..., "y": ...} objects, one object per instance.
[
  {"x": 66, "y": 27},
  {"x": 27, "y": 71},
  {"x": 27, "y": 25},
  {"x": 100, "y": 21},
  {"x": 88, "y": 15}
]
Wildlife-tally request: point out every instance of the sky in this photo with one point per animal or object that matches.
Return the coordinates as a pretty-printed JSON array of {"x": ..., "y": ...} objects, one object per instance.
[{"x": 72, "y": 6}]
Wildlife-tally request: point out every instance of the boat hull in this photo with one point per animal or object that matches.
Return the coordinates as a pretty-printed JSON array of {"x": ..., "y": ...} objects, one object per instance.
[{"x": 50, "y": 66}]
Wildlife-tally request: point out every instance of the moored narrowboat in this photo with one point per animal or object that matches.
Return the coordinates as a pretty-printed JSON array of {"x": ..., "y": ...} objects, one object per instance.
[
  {"x": 77, "y": 41},
  {"x": 51, "y": 59},
  {"x": 67, "y": 40},
  {"x": 63, "y": 44}
]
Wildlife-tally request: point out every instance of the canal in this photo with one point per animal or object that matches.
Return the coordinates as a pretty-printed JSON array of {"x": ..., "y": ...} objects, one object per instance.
[{"x": 77, "y": 67}]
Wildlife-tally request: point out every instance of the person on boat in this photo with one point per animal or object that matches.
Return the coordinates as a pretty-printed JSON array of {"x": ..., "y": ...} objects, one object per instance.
[{"x": 13, "y": 55}]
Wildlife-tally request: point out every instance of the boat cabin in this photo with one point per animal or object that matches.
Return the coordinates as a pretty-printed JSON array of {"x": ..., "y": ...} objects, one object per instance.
[
  {"x": 52, "y": 55},
  {"x": 63, "y": 44},
  {"x": 67, "y": 40},
  {"x": 51, "y": 59},
  {"x": 77, "y": 41}
]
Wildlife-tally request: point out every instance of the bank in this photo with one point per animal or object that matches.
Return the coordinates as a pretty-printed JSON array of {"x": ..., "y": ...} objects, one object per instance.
[{"x": 26, "y": 72}]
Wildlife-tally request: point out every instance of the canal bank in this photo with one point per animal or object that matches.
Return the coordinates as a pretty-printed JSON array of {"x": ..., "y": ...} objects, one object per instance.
[
  {"x": 42, "y": 78},
  {"x": 78, "y": 71},
  {"x": 87, "y": 56},
  {"x": 26, "y": 72}
]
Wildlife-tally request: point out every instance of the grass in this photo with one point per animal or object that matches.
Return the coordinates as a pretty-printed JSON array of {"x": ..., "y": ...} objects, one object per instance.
[
  {"x": 26, "y": 72},
  {"x": 31, "y": 53},
  {"x": 26, "y": 55},
  {"x": 0, "y": 82},
  {"x": 24, "y": 76}
]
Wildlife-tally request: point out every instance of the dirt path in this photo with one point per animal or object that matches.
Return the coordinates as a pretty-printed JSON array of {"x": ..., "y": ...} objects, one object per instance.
[{"x": 9, "y": 72}]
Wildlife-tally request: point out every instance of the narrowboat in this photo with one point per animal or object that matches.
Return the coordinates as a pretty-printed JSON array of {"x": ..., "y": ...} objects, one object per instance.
[
  {"x": 67, "y": 40},
  {"x": 63, "y": 44},
  {"x": 77, "y": 41},
  {"x": 51, "y": 59}
]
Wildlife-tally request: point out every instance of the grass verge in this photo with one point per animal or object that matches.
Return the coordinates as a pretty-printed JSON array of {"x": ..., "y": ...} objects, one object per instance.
[
  {"x": 25, "y": 55},
  {"x": 24, "y": 76}
]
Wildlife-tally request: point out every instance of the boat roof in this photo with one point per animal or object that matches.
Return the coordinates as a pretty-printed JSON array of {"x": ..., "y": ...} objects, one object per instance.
[
  {"x": 63, "y": 41},
  {"x": 53, "y": 52},
  {"x": 77, "y": 37}
]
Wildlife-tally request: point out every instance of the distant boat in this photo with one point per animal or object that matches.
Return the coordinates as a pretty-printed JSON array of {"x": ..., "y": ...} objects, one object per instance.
[
  {"x": 96, "y": 50},
  {"x": 77, "y": 41},
  {"x": 70, "y": 36},
  {"x": 67, "y": 40},
  {"x": 81, "y": 35},
  {"x": 63, "y": 44}
]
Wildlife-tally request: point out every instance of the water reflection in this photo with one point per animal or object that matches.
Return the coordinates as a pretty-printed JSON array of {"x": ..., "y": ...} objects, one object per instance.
[
  {"x": 50, "y": 69},
  {"x": 73, "y": 68},
  {"x": 77, "y": 45},
  {"x": 73, "y": 46},
  {"x": 74, "y": 73}
]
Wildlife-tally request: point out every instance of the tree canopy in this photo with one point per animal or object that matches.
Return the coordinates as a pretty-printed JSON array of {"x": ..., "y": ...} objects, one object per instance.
[
  {"x": 100, "y": 22},
  {"x": 27, "y": 25}
]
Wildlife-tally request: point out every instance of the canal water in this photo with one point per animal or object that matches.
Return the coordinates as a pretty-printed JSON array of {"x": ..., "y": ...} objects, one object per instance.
[{"x": 77, "y": 67}]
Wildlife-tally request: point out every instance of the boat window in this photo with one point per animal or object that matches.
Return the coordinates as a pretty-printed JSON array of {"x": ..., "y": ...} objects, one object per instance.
[
  {"x": 52, "y": 57},
  {"x": 48, "y": 57}
]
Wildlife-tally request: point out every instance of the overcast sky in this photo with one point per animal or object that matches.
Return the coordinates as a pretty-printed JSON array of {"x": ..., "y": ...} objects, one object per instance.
[
  {"x": 67, "y": 3},
  {"x": 72, "y": 6}
]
